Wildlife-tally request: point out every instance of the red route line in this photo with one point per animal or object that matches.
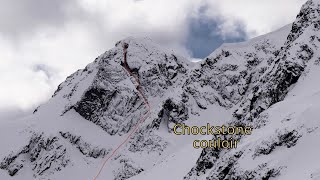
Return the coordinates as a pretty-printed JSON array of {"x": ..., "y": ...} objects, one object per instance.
[{"x": 142, "y": 119}]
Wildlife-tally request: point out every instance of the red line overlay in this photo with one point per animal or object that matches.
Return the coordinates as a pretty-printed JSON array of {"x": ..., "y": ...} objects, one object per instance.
[{"x": 142, "y": 119}]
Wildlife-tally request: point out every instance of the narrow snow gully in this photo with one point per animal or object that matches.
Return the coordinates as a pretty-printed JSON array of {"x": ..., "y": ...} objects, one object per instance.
[{"x": 142, "y": 119}]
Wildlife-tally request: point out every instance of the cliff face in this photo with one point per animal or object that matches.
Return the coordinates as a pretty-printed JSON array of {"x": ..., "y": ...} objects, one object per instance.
[
  {"x": 110, "y": 98},
  {"x": 269, "y": 82},
  {"x": 229, "y": 73},
  {"x": 275, "y": 103},
  {"x": 95, "y": 108}
]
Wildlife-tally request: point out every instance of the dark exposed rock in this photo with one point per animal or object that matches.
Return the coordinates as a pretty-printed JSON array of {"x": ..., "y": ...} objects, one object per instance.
[
  {"x": 283, "y": 138},
  {"x": 110, "y": 107},
  {"x": 146, "y": 141},
  {"x": 171, "y": 112},
  {"x": 84, "y": 147},
  {"x": 45, "y": 155},
  {"x": 273, "y": 86},
  {"x": 128, "y": 169},
  {"x": 205, "y": 162}
]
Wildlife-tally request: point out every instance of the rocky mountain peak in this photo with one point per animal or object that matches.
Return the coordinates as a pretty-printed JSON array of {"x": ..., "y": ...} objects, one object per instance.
[
  {"x": 307, "y": 17},
  {"x": 96, "y": 107}
]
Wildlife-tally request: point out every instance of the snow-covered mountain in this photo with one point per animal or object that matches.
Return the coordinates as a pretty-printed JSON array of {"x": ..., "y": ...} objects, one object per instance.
[{"x": 269, "y": 83}]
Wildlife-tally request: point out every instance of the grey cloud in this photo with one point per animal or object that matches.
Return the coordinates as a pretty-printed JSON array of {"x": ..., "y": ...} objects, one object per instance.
[
  {"x": 23, "y": 18},
  {"x": 18, "y": 18},
  {"x": 48, "y": 71},
  {"x": 204, "y": 36}
]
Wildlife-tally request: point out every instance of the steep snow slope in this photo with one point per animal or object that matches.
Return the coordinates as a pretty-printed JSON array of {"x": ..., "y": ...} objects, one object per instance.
[
  {"x": 93, "y": 111},
  {"x": 282, "y": 105},
  {"x": 226, "y": 75},
  {"x": 214, "y": 68}
]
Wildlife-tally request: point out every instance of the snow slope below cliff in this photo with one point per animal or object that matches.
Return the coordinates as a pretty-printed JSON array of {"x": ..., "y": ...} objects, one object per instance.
[{"x": 288, "y": 143}]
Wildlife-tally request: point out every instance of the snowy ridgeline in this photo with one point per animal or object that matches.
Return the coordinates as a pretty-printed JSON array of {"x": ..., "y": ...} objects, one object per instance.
[{"x": 269, "y": 83}]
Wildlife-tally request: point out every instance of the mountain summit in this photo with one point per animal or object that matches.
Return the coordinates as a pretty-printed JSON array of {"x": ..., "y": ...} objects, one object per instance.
[{"x": 269, "y": 83}]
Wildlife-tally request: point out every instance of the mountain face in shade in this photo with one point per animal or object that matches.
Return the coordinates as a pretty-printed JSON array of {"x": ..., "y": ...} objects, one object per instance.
[{"x": 269, "y": 83}]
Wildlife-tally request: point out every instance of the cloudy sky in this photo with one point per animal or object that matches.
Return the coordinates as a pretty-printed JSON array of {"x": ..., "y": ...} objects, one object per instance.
[{"x": 43, "y": 41}]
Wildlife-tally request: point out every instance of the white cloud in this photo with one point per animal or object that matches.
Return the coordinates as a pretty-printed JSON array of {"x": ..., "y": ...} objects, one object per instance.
[
  {"x": 24, "y": 85},
  {"x": 260, "y": 16}
]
